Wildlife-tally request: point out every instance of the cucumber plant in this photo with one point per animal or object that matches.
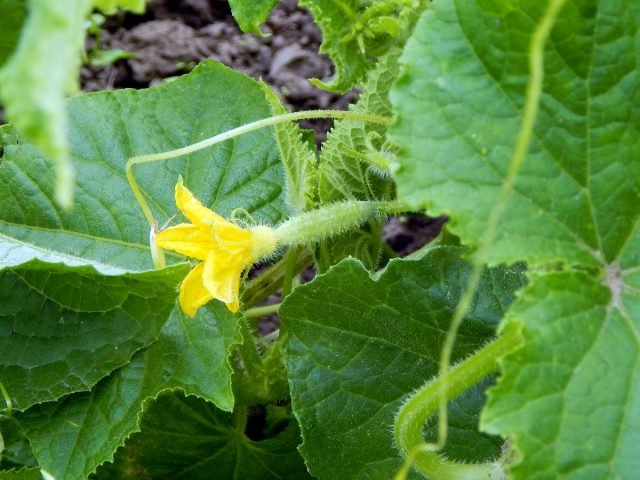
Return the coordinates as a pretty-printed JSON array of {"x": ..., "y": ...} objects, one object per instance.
[{"x": 130, "y": 222}]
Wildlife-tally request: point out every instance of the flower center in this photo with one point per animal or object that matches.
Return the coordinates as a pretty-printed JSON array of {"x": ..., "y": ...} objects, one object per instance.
[{"x": 264, "y": 241}]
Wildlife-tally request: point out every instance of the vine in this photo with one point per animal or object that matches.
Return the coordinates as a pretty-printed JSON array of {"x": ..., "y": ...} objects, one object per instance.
[{"x": 406, "y": 437}]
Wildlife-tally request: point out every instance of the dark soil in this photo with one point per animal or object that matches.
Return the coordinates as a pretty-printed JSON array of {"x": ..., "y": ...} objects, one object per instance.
[{"x": 173, "y": 36}]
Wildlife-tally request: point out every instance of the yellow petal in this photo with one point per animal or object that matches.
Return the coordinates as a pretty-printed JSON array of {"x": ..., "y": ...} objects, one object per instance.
[
  {"x": 186, "y": 239},
  {"x": 197, "y": 213},
  {"x": 193, "y": 293},
  {"x": 221, "y": 276},
  {"x": 231, "y": 237},
  {"x": 234, "y": 306}
]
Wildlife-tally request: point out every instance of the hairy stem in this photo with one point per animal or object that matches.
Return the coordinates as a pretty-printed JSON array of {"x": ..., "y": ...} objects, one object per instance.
[
  {"x": 424, "y": 403},
  {"x": 532, "y": 101},
  {"x": 248, "y": 350},
  {"x": 258, "y": 289}
]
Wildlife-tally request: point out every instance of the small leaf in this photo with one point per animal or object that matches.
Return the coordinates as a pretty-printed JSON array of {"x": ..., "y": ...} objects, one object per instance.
[
  {"x": 346, "y": 172},
  {"x": 188, "y": 438},
  {"x": 298, "y": 158},
  {"x": 110, "y": 6},
  {"x": 71, "y": 437},
  {"x": 250, "y": 14},
  {"x": 354, "y": 37},
  {"x": 355, "y": 32},
  {"x": 357, "y": 346}
]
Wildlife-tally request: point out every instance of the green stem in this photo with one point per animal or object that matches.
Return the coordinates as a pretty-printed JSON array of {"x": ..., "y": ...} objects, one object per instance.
[
  {"x": 289, "y": 271},
  {"x": 239, "y": 418},
  {"x": 259, "y": 289},
  {"x": 7, "y": 399},
  {"x": 258, "y": 312},
  {"x": 248, "y": 350},
  {"x": 249, "y": 127},
  {"x": 532, "y": 101},
  {"x": 424, "y": 403}
]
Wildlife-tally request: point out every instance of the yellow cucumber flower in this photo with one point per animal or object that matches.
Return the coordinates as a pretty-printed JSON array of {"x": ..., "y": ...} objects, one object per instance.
[{"x": 224, "y": 249}]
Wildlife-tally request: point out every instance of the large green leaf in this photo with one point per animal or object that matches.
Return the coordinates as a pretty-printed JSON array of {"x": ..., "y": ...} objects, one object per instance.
[
  {"x": 71, "y": 437},
  {"x": 12, "y": 15},
  {"x": 570, "y": 395},
  {"x": 357, "y": 346},
  {"x": 62, "y": 331},
  {"x": 569, "y": 398},
  {"x": 188, "y": 438},
  {"x": 106, "y": 227},
  {"x": 459, "y": 104}
]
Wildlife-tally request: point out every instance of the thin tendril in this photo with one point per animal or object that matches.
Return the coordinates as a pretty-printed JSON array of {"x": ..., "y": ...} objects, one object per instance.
[
  {"x": 533, "y": 93},
  {"x": 249, "y": 127}
]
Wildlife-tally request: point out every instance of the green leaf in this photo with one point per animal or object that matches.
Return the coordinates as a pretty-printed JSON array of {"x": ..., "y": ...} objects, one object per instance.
[
  {"x": 357, "y": 346},
  {"x": 250, "y": 14},
  {"x": 110, "y": 6},
  {"x": 61, "y": 331},
  {"x": 15, "y": 451},
  {"x": 459, "y": 105},
  {"x": 33, "y": 82},
  {"x": 23, "y": 474},
  {"x": 12, "y": 15},
  {"x": 188, "y": 438},
  {"x": 298, "y": 159},
  {"x": 106, "y": 228},
  {"x": 354, "y": 34},
  {"x": 347, "y": 171},
  {"x": 103, "y": 58},
  {"x": 71, "y": 437},
  {"x": 569, "y": 395}
]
